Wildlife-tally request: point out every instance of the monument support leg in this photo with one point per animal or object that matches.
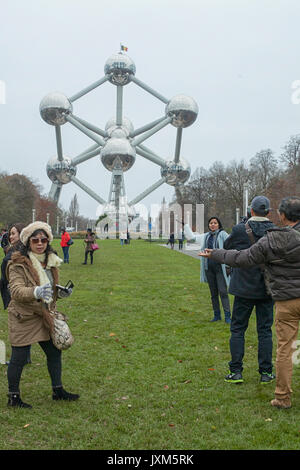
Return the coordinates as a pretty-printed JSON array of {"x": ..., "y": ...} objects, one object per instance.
[
  {"x": 178, "y": 144},
  {"x": 119, "y": 117}
]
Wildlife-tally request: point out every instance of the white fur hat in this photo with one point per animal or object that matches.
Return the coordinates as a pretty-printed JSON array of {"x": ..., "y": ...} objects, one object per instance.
[{"x": 29, "y": 229}]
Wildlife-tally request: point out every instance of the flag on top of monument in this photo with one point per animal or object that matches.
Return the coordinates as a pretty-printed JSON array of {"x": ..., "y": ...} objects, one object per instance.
[{"x": 124, "y": 48}]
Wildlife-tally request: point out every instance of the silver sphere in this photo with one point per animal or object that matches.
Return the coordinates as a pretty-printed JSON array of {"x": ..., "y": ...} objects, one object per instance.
[
  {"x": 184, "y": 109},
  {"x": 120, "y": 66},
  {"x": 118, "y": 153},
  {"x": 176, "y": 173},
  {"x": 53, "y": 108},
  {"x": 60, "y": 172},
  {"x": 126, "y": 123},
  {"x": 118, "y": 132}
]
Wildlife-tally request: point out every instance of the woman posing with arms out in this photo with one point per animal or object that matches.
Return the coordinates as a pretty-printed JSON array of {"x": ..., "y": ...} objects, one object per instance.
[
  {"x": 32, "y": 275},
  {"x": 211, "y": 272}
]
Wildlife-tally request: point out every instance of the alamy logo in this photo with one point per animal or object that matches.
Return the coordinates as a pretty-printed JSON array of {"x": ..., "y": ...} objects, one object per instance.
[
  {"x": 295, "y": 98},
  {"x": 2, "y": 92}
]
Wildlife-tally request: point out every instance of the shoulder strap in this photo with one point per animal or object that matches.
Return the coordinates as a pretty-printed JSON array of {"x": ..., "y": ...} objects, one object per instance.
[
  {"x": 250, "y": 234},
  {"x": 252, "y": 241}
]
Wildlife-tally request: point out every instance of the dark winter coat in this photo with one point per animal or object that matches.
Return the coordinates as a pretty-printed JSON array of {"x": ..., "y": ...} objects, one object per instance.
[
  {"x": 279, "y": 251},
  {"x": 89, "y": 240},
  {"x": 247, "y": 282},
  {"x": 5, "y": 294}
]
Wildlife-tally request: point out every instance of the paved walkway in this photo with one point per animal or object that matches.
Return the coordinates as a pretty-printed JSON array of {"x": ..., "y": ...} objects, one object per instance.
[{"x": 193, "y": 253}]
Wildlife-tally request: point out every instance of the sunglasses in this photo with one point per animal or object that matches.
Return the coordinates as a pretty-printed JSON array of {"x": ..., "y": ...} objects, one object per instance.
[{"x": 35, "y": 241}]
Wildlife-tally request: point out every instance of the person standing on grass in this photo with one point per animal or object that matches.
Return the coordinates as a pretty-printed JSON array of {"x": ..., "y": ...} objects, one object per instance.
[
  {"x": 89, "y": 241},
  {"x": 211, "y": 272},
  {"x": 172, "y": 240},
  {"x": 65, "y": 238},
  {"x": 123, "y": 238},
  {"x": 14, "y": 245},
  {"x": 279, "y": 252},
  {"x": 249, "y": 290},
  {"x": 33, "y": 275}
]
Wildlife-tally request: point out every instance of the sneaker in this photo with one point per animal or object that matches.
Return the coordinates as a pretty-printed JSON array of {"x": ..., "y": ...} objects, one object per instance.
[
  {"x": 266, "y": 378},
  {"x": 281, "y": 404},
  {"x": 234, "y": 378}
]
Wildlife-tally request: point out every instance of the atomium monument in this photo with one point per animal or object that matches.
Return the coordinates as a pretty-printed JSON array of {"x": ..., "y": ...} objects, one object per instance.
[{"x": 119, "y": 143}]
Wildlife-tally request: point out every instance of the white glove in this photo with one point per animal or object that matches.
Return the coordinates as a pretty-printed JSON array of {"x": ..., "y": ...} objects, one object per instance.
[
  {"x": 63, "y": 294},
  {"x": 43, "y": 292}
]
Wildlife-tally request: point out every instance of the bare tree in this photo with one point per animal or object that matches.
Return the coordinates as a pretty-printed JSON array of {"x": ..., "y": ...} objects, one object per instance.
[
  {"x": 73, "y": 209},
  {"x": 264, "y": 168},
  {"x": 291, "y": 154}
]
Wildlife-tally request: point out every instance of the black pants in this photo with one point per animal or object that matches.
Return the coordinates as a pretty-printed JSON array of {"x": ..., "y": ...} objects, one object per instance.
[
  {"x": 242, "y": 309},
  {"x": 19, "y": 359},
  {"x": 86, "y": 256},
  {"x": 218, "y": 287}
]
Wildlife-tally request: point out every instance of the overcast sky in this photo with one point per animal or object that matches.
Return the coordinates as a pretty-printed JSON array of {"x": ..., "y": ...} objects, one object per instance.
[{"x": 237, "y": 59}]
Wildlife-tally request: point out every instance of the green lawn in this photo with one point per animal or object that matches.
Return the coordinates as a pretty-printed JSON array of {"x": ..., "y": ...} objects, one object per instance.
[{"x": 148, "y": 364}]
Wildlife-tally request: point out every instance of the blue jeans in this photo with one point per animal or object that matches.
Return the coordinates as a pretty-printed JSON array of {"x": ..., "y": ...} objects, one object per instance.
[
  {"x": 242, "y": 309},
  {"x": 66, "y": 253}
]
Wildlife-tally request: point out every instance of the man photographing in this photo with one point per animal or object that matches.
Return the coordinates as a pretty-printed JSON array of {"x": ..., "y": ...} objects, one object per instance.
[{"x": 279, "y": 252}]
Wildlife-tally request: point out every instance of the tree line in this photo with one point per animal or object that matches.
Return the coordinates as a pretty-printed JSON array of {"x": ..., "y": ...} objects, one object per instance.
[
  {"x": 19, "y": 195},
  {"x": 221, "y": 187}
]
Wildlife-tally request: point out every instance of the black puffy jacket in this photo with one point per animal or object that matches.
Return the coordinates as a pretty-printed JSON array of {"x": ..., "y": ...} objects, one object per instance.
[{"x": 247, "y": 282}]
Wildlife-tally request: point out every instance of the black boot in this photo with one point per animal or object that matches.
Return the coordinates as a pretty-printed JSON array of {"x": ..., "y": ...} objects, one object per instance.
[
  {"x": 59, "y": 393},
  {"x": 14, "y": 400}
]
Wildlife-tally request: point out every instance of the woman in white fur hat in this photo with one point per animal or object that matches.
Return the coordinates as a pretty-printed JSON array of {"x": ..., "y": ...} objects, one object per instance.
[{"x": 33, "y": 275}]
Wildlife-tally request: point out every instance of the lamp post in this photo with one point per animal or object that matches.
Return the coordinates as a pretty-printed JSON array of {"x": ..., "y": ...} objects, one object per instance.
[{"x": 245, "y": 199}]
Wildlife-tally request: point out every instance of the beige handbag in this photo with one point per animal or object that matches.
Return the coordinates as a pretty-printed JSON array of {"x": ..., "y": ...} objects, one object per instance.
[{"x": 60, "y": 333}]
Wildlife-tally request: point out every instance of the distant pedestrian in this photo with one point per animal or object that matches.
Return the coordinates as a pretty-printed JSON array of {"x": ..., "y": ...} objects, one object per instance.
[
  {"x": 180, "y": 240},
  {"x": 65, "y": 238},
  {"x": 123, "y": 238},
  {"x": 89, "y": 241},
  {"x": 172, "y": 240}
]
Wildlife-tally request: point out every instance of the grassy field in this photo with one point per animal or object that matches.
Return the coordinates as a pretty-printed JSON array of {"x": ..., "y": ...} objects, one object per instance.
[{"x": 148, "y": 364}]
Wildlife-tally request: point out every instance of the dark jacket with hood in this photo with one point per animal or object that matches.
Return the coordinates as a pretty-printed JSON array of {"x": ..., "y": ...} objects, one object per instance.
[
  {"x": 247, "y": 282},
  {"x": 279, "y": 251}
]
